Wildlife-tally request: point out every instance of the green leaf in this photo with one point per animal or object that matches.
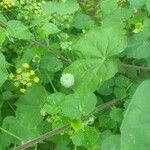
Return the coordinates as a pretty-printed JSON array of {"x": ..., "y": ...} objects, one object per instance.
[
  {"x": 116, "y": 114},
  {"x": 2, "y": 35},
  {"x": 50, "y": 28},
  {"x": 101, "y": 43},
  {"x": 26, "y": 124},
  {"x": 86, "y": 137},
  {"x": 48, "y": 66},
  {"x": 29, "y": 106},
  {"x": 16, "y": 29},
  {"x": 62, "y": 8},
  {"x": 95, "y": 70},
  {"x": 4, "y": 141},
  {"x": 136, "y": 123},
  {"x": 138, "y": 44},
  {"x": 53, "y": 104},
  {"x": 3, "y": 70},
  {"x": 111, "y": 143},
  {"x": 122, "y": 81},
  {"x": 97, "y": 47},
  {"x": 108, "y": 6},
  {"x": 83, "y": 21},
  {"x": 78, "y": 104},
  {"x": 117, "y": 18},
  {"x": 135, "y": 3}
]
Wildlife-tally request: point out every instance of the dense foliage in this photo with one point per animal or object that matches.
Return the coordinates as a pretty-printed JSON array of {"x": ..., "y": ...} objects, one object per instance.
[{"x": 77, "y": 68}]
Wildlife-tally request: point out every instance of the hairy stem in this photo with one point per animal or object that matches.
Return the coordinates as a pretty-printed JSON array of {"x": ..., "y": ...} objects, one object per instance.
[
  {"x": 135, "y": 67},
  {"x": 61, "y": 129}
]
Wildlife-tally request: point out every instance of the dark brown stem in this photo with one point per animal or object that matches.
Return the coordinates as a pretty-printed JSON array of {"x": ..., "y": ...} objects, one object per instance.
[
  {"x": 61, "y": 129},
  {"x": 42, "y": 137},
  {"x": 135, "y": 67}
]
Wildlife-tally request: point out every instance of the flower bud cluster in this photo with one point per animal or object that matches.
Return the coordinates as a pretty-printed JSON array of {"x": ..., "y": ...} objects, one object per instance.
[{"x": 24, "y": 77}]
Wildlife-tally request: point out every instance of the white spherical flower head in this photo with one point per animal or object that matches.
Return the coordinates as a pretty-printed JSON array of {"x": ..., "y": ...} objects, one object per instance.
[{"x": 67, "y": 80}]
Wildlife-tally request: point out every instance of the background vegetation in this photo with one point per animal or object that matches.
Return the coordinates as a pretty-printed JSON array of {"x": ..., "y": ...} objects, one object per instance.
[{"x": 74, "y": 75}]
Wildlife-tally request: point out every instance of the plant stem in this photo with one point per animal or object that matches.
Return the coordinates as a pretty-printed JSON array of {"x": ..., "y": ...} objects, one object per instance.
[
  {"x": 61, "y": 129},
  {"x": 42, "y": 137},
  {"x": 135, "y": 67},
  {"x": 11, "y": 134},
  {"x": 51, "y": 51}
]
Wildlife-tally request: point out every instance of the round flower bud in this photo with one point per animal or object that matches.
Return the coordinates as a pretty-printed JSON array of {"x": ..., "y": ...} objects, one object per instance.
[{"x": 67, "y": 80}]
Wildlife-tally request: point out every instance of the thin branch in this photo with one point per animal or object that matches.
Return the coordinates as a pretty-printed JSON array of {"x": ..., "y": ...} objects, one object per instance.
[
  {"x": 50, "y": 50},
  {"x": 42, "y": 137},
  {"x": 43, "y": 46},
  {"x": 102, "y": 107},
  {"x": 135, "y": 67},
  {"x": 59, "y": 130}
]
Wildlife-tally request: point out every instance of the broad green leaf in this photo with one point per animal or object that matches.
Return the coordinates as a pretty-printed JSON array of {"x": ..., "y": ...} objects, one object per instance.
[
  {"x": 108, "y": 6},
  {"x": 137, "y": 3},
  {"x": 148, "y": 5},
  {"x": 95, "y": 70},
  {"x": 101, "y": 43},
  {"x": 2, "y": 35},
  {"x": 83, "y": 21},
  {"x": 17, "y": 30},
  {"x": 136, "y": 123},
  {"x": 111, "y": 143},
  {"x": 62, "y": 8},
  {"x": 117, "y": 18},
  {"x": 138, "y": 46},
  {"x": 50, "y": 28},
  {"x": 26, "y": 124},
  {"x": 3, "y": 70},
  {"x": 86, "y": 137},
  {"x": 97, "y": 46},
  {"x": 4, "y": 141},
  {"x": 29, "y": 106},
  {"x": 76, "y": 105}
]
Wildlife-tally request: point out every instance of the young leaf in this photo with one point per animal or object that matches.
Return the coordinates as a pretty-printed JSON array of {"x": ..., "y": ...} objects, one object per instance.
[{"x": 17, "y": 30}]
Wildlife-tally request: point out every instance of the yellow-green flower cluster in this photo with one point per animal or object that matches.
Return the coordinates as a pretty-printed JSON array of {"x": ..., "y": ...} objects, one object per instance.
[
  {"x": 30, "y": 8},
  {"x": 24, "y": 77},
  {"x": 138, "y": 27},
  {"x": 7, "y": 4}
]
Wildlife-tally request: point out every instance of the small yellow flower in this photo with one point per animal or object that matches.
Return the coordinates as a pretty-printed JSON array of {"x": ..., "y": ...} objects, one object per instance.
[
  {"x": 32, "y": 72},
  {"x": 26, "y": 75},
  {"x": 11, "y": 76},
  {"x": 29, "y": 84},
  {"x": 16, "y": 84},
  {"x": 23, "y": 82},
  {"x": 26, "y": 65},
  {"x": 18, "y": 70},
  {"x": 36, "y": 80},
  {"x": 22, "y": 90}
]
